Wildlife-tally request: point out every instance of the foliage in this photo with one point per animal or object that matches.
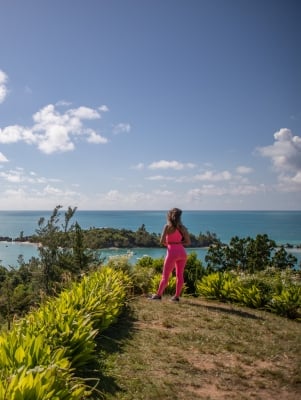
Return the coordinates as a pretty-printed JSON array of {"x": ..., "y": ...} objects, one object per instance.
[
  {"x": 276, "y": 291},
  {"x": 251, "y": 296},
  {"x": 193, "y": 272},
  {"x": 100, "y": 238},
  {"x": 149, "y": 262},
  {"x": 287, "y": 303},
  {"x": 141, "y": 278},
  {"x": 218, "y": 285},
  {"x": 283, "y": 260},
  {"x": 41, "y": 356},
  {"x": 249, "y": 255},
  {"x": 66, "y": 253},
  {"x": 146, "y": 267},
  {"x": 216, "y": 257},
  {"x": 170, "y": 288},
  {"x": 62, "y": 250},
  {"x": 17, "y": 292},
  {"x": 121, "y": 262}
]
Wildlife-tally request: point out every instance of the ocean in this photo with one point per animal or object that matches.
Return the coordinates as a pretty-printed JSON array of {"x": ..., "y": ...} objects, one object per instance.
[{"x": 281, "y": 226}]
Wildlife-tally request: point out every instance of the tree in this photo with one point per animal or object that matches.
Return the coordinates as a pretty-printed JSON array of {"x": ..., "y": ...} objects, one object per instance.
[
  {"x": 82, "y": 258},
  {"x": 259, "y": 252},
  {"x": 216, "y": 257},
  {"x": 56, "y": 248},
  {"x": 282, "y": 259},
  {"x": 236, "y": 253},
  {"x": 249, "y": 255}
]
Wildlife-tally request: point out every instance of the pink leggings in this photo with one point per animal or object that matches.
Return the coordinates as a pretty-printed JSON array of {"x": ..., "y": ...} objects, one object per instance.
[{"x": 175, "y": 258}]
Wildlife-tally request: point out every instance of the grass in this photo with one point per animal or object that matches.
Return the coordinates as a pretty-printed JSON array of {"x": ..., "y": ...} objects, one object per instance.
[{"x": 197, "y": 349}]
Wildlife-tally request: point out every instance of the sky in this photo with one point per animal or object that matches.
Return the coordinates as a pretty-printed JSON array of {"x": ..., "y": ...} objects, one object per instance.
[{"x": 150, "y": 104}]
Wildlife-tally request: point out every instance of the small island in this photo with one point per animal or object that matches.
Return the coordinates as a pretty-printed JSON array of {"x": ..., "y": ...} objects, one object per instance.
[{"x": 103, "y": 238}]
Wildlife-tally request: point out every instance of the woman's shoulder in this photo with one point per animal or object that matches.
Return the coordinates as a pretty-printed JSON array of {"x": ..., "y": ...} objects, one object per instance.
[
  {"x": 169, "y": 228},
  {"x": 182, "y": 227}
]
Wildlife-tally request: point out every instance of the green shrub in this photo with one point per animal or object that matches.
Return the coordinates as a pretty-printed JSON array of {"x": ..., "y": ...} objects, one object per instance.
[
  {"x": 251, "y": 296},
  {"x": 120, "y": 262},
  {"x": 170, "y": 288},
  {"x": 193, "y": 272},
  {"x": 45, "y": 383},
  {"x": 149, "y": 262},
  {"x": 40, "y": 356},
  {"x": 287, "y": 303},
  {"x": 273, "y": 290},
  {"x": 141, "y": 279},
  {"x": 219, "y": 285}
]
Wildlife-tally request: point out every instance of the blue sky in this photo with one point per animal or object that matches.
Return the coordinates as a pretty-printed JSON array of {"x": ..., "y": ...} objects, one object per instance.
[{"x": 150, "y": 104}]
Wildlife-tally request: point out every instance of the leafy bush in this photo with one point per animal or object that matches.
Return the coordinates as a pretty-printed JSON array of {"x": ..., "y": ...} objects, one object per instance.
[
  {"x": 219, "y": 285},
  {"x": 142, "y": 278},
  {"x": 249, "y": 255},
  {"x": 149, "y": 262},
  {"x": 147, "y": 267},
  {"x": 287, "y": 303},
  {"x": 120, "y": 262},
  {"x": 274, "y": 290},
  {"x": 170, "y": 288},
  {"x": 254, "y": 290},
  {"x": 193, "y": 272},
  {"x": 251, "y": 296},
  {"x": 41, "y": 354}
]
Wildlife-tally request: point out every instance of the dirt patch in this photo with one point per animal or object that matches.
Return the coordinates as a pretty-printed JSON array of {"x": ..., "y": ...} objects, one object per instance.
[{"x": 209, "y": 351}]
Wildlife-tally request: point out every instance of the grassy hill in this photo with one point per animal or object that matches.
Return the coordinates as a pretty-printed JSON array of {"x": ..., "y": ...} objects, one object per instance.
[{"x": 197, "y": 349}]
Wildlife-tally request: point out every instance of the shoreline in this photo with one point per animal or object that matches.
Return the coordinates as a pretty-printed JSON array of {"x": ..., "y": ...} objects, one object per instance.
[
  {"x": 9, "y": 252},
  {"x": 287, "y": 246}
]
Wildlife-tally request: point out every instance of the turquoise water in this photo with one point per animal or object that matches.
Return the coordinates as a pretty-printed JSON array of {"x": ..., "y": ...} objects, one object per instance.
[{"x": 281, "y": 226}]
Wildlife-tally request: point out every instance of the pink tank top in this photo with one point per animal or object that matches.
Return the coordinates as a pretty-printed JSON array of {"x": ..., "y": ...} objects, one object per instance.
[{"x": 175, "y": 236}]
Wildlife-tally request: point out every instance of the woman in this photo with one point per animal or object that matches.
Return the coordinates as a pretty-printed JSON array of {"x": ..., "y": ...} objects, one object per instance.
[{"x": 174, "y": 236}]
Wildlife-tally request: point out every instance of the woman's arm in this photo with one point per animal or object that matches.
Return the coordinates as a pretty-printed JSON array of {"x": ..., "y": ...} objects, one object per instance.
[
  {"x": 186, "y": 238},
  {"x": 163, "y": 236}
]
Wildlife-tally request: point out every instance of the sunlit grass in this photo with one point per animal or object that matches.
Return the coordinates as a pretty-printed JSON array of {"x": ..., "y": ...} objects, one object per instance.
[{"x": 201, "y": 350}]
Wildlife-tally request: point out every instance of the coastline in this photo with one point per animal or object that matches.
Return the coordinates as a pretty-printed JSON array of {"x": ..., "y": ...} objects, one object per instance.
[
  {"x": 18, "y": 229},
  {"x": 287, "y": 246},
  {"x": 10, "y": 251}
]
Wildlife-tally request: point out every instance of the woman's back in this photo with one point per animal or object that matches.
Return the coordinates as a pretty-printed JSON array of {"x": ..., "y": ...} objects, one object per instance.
[{"x": 174, "y": 236}]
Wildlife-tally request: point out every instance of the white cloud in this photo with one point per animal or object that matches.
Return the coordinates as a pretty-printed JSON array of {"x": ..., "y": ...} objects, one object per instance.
[
  {"x": 213, "y": 176},
  {"x": 16, "y": 133},
  {"x": 19, "y": 175},
  {"x": 65, "y": 196},
  {"x": 93, "y": 137},
  {"x": 53, "y": 131},
  {"x": 11, "y": 176},
  {"x": 121, "y": 128},
  {"x": 297, "y": 178},
  {"x": 31, "y": 198},
  {"x": 160, "y": 178},
  {"x": 3, "y": 158},
  {"x": 103, "y": 108},
  {"x": 206, "y": 190},
  {"x": 3, "y": 87},
  {"x": 163, "y": 164},
  {"x": 241, "y": 169},
  {"x": 231, "y": 190},
  {"x": 63, "y": 103},
  {"x": 285, "y": 152},
  {"x": 285, "y": 155},
  {"x": 84, "y": 113},
  {"x": 136, "y": 199},
  {"x": 113, "y": 197},
  {"x": 138, "y": 166}
]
